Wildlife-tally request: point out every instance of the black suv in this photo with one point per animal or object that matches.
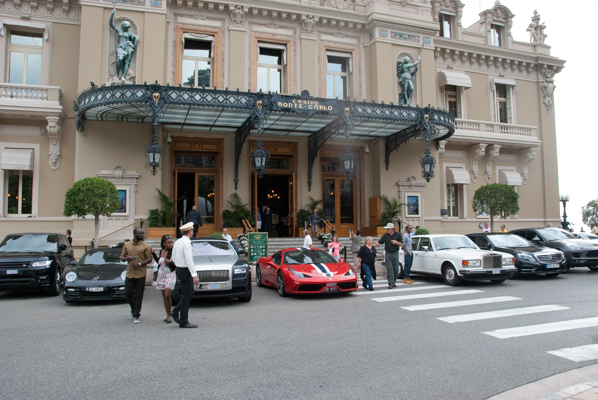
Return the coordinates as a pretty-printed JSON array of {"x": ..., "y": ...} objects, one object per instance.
[
  {"x": 579, "y": 253},
  {"x": 34, "y": 261},
  {"x": 529, "y": 258}
]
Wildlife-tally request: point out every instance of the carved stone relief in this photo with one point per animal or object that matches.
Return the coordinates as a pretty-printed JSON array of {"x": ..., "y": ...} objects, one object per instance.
[
  {"x": 441, "y": 147},
  {"x": 237, "y": 16},
  {"x": 476, "y": 153},
  {"x": 309, "y": 24},
  {"x": 54, "y": 130},
  {"x": 527, "y": 156},
  {"x": 491, "y": 155},
  {"x": 548, "y": 87},
  {"x": 338, "y": 4}
]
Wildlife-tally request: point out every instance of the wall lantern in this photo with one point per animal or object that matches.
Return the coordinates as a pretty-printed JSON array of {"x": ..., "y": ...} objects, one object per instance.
[
  {"x": 154, "y": 153},
  {"x": 427, "y": 163},
  {"x": 348, "y": 162}
]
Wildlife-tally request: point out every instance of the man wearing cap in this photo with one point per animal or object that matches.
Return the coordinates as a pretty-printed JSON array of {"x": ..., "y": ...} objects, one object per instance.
[
  {"x": 392, "y": 244},
  {"x": 182, "y": 256}
]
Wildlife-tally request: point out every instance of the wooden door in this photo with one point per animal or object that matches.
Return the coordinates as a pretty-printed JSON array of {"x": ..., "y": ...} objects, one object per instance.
[{"x": 339, "y": 203}]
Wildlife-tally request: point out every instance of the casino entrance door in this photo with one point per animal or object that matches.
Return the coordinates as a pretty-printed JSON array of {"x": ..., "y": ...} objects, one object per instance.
[{"x": 276, "y": 189}]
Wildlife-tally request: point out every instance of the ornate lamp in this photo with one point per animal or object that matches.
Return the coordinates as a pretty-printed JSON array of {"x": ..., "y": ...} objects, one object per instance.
[
  {"x": 427, "y": 163},
  {"x": 348, "y": 161},
  {"x": 259, "y": 158},
  {"x": 564, "y": 223},
  {"x": 154, "y": 153}
]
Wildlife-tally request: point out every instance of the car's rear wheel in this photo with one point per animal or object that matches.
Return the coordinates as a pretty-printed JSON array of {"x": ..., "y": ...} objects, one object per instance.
[
  {"x": 450, "y": 276},
  {"x": 258, "y": 277},
  {"x": 552, "y": 275},
  {"x": 497, "y": 281},
  {"x": 55, "y": 284},
  {"x": 594, "y": 268},
  {"x": 280, "y": 285}
]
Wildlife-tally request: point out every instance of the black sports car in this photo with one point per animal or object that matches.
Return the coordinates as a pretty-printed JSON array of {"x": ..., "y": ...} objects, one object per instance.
[
  {"x": 99, "y": 275},
  {"x": 529, "y": 258}
]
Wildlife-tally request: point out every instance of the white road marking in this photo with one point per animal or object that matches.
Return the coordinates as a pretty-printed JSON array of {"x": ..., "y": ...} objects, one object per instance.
[
  {"x": 544, "y": 328},
  {"x": 425, "y": 295},
  {"x": 451, "y": 304},
  {"x": 578, "y": 354},
  {"x": 501, "y": 313},
  {"x": 385, "y": 285},
  {"x": 397, "y": 291}
]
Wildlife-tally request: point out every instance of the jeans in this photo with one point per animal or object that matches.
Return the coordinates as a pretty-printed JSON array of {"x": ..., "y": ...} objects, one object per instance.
[
  {"x": 134, "y": 288},
  {"x": 392, "y": 267},
  {"x": 408, "y": 264},
  {"x": 182, "y": 308},
  {"x": 368, "y": 276}
]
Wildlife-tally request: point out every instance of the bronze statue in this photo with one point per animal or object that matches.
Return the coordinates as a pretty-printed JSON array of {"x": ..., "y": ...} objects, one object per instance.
[
  {"x": 405, "y": 79},
  {"x": 126, "y": 43}
]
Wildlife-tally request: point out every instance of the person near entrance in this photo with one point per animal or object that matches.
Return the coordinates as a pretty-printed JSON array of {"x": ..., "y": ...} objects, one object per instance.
[
  {"x": 314, "y": 220},
  {"x": 228, "y": 237},
  {"x": 266, "y": 219},
  {"x": 408, "y": 249},
  {"x": 182, "y": 256},
  {"x": 195, "y": 217},
  {"x": 392, "y": 244},
  {"x": 307, "y": 243},
  {"x": 138, "y": 254}
]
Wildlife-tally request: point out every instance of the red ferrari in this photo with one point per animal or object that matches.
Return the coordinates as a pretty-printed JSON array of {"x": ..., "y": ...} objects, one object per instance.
[{"x": 301, "y": 270}]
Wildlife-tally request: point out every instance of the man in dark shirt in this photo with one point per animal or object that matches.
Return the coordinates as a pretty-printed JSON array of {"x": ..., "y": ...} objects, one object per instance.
[
  {"x": 314, "y": 220},
  {"x": 68, "y": 237},
  {"x": 195, "y": 217},
  {"x": 392, "y": 243}
]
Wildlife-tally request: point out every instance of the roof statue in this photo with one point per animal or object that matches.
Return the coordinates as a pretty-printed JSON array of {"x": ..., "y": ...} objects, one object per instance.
[
  {"x": 536, "y": 30},
  {"x": 126, "y": 43}
]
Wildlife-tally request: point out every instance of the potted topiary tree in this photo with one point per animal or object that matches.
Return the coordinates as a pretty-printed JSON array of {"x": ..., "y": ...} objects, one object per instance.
[{"x": 232, "y": 219}]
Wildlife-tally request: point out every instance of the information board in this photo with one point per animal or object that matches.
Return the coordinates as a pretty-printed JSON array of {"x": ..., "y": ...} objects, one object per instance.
[{"x": 258, "y": 245}]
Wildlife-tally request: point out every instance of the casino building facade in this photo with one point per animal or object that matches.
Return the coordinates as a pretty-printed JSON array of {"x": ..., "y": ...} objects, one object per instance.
[{"x": 311, "y": 83}]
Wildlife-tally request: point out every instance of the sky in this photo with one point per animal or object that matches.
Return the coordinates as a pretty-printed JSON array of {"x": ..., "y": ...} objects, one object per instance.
[{"x": 571, "y": 37}]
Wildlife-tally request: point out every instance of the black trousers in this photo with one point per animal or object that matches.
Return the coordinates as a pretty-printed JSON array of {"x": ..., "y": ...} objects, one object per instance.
[
  {"x": 182, "y": 308},
  {"x": 134, "y": 288}
]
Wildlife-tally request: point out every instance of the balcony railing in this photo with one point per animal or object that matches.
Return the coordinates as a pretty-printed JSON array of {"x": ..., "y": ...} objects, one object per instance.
[
  {"x": 10, "y": 91},
  {"x": 469, "y": 125}
]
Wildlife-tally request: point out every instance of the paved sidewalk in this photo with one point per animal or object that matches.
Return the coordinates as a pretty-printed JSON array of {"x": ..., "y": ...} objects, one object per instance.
[{"x": 577, "y": 384}]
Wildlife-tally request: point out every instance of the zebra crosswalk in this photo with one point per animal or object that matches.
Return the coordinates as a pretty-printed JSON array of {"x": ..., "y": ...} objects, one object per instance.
[{"x": 404, "y": 293}]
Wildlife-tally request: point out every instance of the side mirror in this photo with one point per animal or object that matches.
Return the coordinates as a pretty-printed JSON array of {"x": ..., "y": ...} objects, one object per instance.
[
  {"x": 73, "y": 263},
  {"x": 62, "y": 247},
  {"x": 425, "y": 248},
  {"x": 240, "y": 251},
  {"x": 340, "y": 260}
]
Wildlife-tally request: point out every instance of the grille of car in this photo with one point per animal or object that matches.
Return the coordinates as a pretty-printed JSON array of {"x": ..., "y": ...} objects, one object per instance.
[
  {"x": 592, "y": 253},
  {"x": 492, "y": 261},
  {"x": 14, "y": 265},
  {"x": 347, "y": 285},
  {"x": 547, "y": 258},
  {"x": 213, "y": 276},
  {"x": 309, "y": 288}
]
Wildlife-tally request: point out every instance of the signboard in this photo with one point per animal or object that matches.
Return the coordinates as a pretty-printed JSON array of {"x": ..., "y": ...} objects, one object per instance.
[
  {"x": 304, "y": 106},
  {"x": 258, "y": 245}
]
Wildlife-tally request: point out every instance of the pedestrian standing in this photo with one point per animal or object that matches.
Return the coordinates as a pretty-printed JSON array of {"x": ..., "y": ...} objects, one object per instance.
[
  {"x": 195, "y": 217},
  {"x": 355, "y": 243},
  {"x": 408, "y": 249},
  {"x": 259, "y": 221},
  {"x": 138, "y": 254},
  {"x": 166, "y": 274},
  {"x": 392, "y": 244},
  {"x": 485, "y": 227},
  {"x": 335, "y": 247},
  {"x": 366, "y": 259},
  {"x": 182, "y": 255},
  {"x": 307, "y": 243},
  {"x": 503, "y": 229},
  {"x": 229, "y": 238},
  {"x": 68, "y": 237},
  {"x": 314, "y": 220}
]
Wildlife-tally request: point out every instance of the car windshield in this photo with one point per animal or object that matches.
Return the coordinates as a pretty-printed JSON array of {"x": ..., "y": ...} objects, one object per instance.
[
  {"x": 508, "y": 241},
  {"x": 215, "y": 248},
  {"x": 307, "y": 257},
  {"x": 101, "y": 258},
  {"x": 556, "y": 234},
  {"x": 453, "y": 242},
  {"x": 29, "y": 243}
]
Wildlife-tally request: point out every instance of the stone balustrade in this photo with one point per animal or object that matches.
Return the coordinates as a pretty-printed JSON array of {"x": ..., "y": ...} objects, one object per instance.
[
  {"x": 10, "y": 91},
  {"x": 468, "y": 125}
]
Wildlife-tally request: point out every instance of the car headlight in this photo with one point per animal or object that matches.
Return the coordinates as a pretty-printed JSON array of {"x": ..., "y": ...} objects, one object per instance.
[
  {"x": 70, "y": 276},
  {"x": 573, "y": 246},
  {"x": 41, "y": 264},
  {"x": 297, "y": 274},
  {"x": 123, "y": 275},
  {"x": 525, "y": 257},
  {"x": 239, "y": 270},
  {"x": 508, "y": 261},
  {"x": 471, "y": 263},
  {"x": 350, "y": 272}
]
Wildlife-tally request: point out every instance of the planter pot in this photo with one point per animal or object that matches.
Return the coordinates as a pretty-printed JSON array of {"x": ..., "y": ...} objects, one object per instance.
[
  {"x": 373, "y": 231},
  {"x": 157, "y": 233}
]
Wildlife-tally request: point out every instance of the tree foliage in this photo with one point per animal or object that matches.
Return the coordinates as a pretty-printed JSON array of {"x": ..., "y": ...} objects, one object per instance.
[
  {"x": 95, "y": 196},
  {"x": 496, "y": 200},
  {"x": 233, "y": 217},
  {"x": 590, "y": 211}
]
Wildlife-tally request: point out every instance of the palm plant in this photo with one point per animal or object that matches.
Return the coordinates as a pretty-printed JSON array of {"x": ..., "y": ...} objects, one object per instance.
[
  {"x": 392, "y": 209},
  {"x": 233, "y": 217},
  {"x": 312, "y": 204},
  {"x": 167, "y": 209}
]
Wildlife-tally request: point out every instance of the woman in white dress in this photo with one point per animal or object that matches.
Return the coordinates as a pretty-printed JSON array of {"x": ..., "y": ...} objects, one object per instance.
[{"x": 166, "y": 275}]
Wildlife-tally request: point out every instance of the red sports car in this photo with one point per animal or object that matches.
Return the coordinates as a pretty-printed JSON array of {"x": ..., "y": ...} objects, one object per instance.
[{"x": 301, "y": 270}]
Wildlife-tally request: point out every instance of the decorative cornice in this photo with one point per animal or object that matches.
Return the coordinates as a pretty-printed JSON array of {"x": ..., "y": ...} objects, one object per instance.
[
  {"x": 119, "y": 176},
  {"x": 68, "y": 11},
  {"x": 527, "y": 156},
  {"x": 491, "y": 155},
  {"x": 476, "y": 153}
]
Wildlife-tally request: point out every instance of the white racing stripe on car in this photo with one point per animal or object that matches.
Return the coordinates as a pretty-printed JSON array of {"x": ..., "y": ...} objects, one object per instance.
[
  {"x": 544, "y": 328},
  {"x": 426, "y": 295},
  {"x": 461, "y": 303},
  {"x": 501, "y": 313},
  {"x": 397, "y": 291},
  {"x": 578, "y": 354}
]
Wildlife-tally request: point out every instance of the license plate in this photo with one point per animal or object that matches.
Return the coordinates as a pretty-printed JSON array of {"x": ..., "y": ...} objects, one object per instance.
[
  {"x": 12, "y": 271},
  {"x": 331, "y": 289},
  {"x": 496, "y": 272},
  {"x": 330, "y": 284},
  {"x": 549, "y": 266},
  {"x": 94, "y": 289},
  {"x": 214, "y": 286}
]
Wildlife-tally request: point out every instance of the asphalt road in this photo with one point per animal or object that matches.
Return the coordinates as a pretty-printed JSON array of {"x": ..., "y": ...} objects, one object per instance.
[{"x": 316, "y": 347}]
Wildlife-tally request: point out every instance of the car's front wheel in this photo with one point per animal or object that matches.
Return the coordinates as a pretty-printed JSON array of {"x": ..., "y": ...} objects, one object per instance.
[
  {"x": 258, "y": 277},
  {"x": 450, "y": 276},
  {"x": 55, "y": 284},
  {"x": 280, "y": 285}
]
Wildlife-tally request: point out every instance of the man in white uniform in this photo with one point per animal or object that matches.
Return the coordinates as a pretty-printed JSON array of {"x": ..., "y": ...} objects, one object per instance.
[{"x": 182, "y": 256}]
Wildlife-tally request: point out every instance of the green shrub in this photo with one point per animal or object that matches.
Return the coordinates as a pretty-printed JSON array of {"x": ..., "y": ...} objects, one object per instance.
[
  {"x": 233, "y": 217},
  {"x": 422, "y": 231},
  {"x": 215, "y": 235},
  {"x": 155, "y": 218}
]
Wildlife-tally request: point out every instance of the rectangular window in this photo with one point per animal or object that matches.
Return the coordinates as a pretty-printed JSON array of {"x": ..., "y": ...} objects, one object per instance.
[
  {"x": 19, "y": 192},
  {"x": 445, "y": 25},
  {"x": 25, "y": 58},
  {"x": 503, "y": 106},
  {"x": 198, "y": 58},
  {"x": 270, "y": 67},
  {"x": 496, "y": 35},
  {"x": 338, "y": 71},
  {"x": 452, "y": 99},
  {"x": 452, "y": 200}
]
